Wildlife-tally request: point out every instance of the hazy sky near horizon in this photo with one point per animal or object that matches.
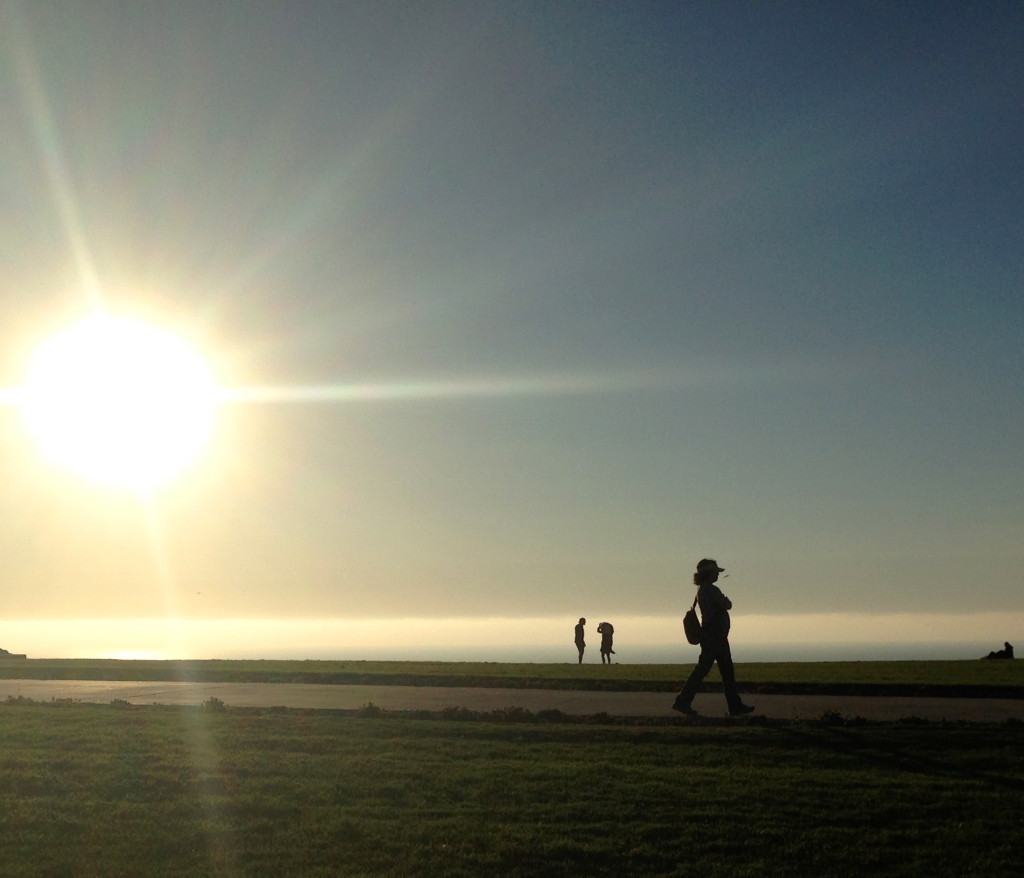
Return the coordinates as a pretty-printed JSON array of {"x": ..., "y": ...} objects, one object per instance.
[{"x": 546, "y": 300}]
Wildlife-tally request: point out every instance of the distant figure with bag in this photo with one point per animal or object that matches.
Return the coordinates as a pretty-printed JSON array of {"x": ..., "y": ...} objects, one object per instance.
[
  {"x": 579, "y": 641},
  {"x": 606, "y": 631},
  {"x": 714, "y": 642}
]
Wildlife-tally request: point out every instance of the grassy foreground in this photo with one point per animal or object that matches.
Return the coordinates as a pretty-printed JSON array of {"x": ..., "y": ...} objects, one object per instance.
[
  {"x": 976, "y": 677},
  {"x": 156, "y": 791}
]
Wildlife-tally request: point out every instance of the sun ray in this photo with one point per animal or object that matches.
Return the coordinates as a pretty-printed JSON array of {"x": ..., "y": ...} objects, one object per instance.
[
  {"x": 38, "y": 106},
  {"x": 538, "y": 385},
  {"x": 456, "y": 388}
]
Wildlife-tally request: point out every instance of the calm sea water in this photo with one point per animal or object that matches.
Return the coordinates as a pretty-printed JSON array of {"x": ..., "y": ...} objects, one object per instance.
[{"x": 659, "y": 653}]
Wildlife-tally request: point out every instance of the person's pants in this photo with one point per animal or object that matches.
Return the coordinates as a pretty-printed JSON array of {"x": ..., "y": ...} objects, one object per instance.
[{"x": 711, "y": 651}]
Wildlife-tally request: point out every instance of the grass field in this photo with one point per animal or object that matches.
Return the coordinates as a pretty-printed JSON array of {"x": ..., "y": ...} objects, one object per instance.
[
  {"x": 157, "y": 791},
  {"x": 993, "y": 678}
]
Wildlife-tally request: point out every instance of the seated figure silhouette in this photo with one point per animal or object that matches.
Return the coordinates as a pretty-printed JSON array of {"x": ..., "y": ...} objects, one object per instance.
[{"x": 1005, "y": 653}]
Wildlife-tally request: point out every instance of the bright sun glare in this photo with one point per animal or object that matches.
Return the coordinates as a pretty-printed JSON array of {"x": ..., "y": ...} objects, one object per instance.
[{"x": 119, "y": 401}]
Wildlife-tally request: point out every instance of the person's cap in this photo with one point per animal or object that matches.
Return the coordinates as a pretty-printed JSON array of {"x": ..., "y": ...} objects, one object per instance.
[{"x": 706, "y": 564}]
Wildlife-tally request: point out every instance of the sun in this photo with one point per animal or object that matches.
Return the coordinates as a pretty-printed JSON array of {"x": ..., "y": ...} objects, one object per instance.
[{"x": 120, "y": 401}]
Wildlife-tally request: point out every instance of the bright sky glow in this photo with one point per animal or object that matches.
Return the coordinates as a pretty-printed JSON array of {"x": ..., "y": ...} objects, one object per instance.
[{"x": 638, "y": 638}]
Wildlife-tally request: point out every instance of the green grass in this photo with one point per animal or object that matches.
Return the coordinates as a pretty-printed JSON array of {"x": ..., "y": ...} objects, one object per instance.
[
  {"x": 112, "y": 790},
  {"x": 1002, "y": 677}
]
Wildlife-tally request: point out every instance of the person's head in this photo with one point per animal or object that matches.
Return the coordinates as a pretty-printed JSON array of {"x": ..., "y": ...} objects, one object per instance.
[
  {"x": 707, "y": 571},
  {"x": 583, "y": 621}
]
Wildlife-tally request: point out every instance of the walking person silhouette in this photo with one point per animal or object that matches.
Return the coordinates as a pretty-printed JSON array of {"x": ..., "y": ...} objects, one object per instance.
[
  {"x": 714, "y": 643},
  {"x": 579, "y": 641}
]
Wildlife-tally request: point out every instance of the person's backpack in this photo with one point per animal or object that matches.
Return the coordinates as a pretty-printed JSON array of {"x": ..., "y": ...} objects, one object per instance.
[{"x": 691, "y": 625}]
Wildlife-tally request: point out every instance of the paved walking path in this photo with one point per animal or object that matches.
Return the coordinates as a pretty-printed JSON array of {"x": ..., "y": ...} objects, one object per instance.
[{"x": 574, "y": 702}]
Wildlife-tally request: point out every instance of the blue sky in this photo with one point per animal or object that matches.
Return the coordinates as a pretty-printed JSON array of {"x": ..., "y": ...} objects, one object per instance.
[{"x": 617, "y": 286}]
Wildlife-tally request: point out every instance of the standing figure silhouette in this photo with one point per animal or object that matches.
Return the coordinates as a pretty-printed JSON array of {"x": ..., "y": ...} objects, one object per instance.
[{"x": 579, "y": 641}]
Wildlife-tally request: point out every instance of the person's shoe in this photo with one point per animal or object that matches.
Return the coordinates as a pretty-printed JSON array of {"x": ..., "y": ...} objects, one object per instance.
[
  {"x": 684, "y": 709},
  {"x": 741, "y": 710}
]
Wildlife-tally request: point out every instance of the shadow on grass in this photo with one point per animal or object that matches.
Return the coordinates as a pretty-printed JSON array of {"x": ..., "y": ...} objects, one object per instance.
[{"x": 890, "y": 747}]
